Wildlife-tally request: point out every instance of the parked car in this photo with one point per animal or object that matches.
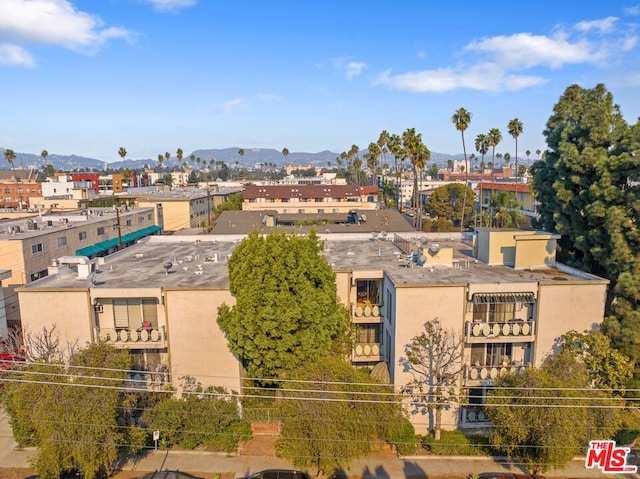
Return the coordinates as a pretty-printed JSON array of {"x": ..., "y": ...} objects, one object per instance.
[
  {"x": 508, "y": 475},
  {"x": 278, "y": 474},
  {"x": 169, "y": 475}
]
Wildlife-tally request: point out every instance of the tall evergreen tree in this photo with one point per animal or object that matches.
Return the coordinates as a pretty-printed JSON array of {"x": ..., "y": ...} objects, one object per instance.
[{"x": 286, "y": 308}]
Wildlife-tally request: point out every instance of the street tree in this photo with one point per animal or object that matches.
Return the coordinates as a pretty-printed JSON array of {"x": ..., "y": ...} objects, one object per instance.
[
  {"x": 447, "y": 202},
  {"x": 73, "y": 422},
  {"x": 494, "y": 137},
  {"x": 286, "y": 309},
  {"x": 544, "y": 417},
  {"x": 343, "y": 414},
  {"x": 606, "y": 366},
  {"x": 433, "y": 360}
]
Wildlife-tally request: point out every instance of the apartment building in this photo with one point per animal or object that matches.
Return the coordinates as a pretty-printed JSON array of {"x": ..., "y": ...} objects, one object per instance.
[
  {"x": 503, "y": 292},
  {"x": 310, "y": 198},
  {"x": 18, "y": 187},
  {"x": 28, "y": 246},
  {"x": 519, "y": 191},
  {"x": 187, "y": 208}
]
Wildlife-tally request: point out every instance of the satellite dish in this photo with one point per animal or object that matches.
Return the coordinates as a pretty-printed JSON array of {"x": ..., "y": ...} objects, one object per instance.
[
  {"x": 424, "y": 240},
  {"x": 434, "y": 248},
  {"x": 167, "y": 266}
]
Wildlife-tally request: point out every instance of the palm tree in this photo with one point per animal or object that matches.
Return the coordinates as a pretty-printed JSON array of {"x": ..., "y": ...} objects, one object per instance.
[
  {"x": 395, "y": 147},
  {"x": 167, "y": 156},
  {"x": 527, "y": 153},
  {"x": 450, "y": 165},
  {"x": 372, "y": 160},
  {"x": 241, "y": 153},
  {"x": 10, "y": 156},
  {"x": 461, "y": 119},
  {"x": 538, "y": 153},
  {"x": 494, "y": 137},
  {"x": 160, "y": 159},
  {"x": 123, "y": 154},
  {"x": 44, "y": 154},
  {"x": 285, "y": 153},
  {"x": 515, "y": 130},
  {"x": 412, "y": 142},
  {"x": 482, "y": 147},
  {"x": 192, "y": 158},
  {"x": 179, "y": 156}
]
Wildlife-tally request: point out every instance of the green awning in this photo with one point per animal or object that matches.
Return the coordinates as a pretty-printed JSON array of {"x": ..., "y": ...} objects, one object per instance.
[{"x": 106, "y": 245}]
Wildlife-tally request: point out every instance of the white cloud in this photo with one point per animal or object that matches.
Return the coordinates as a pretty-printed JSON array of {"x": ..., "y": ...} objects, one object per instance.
[
  {"x": 349, "y": 69},
  {"x": 501, "y": 62},
  {"x": 170, "y": 5},
  {"x": 15, "y": 55},
  {"x": 635, "y": 10},
  {"x": 355, "y": 68},
  {"x": 54, "y": 22},
  {"x": 484, "y": 77},
  {"x": 602, "y": 25},
  {"x": 232, "y": 104},
  {"x": 524, "y": 50}
]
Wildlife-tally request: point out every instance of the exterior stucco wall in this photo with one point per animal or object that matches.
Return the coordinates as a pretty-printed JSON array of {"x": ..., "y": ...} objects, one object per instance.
[
  {"x": 69, "y": 310},
  {"x": 197, "y": 345},
  {"x": 413, "y": 307},
  {"x": 565, "y": 306}
]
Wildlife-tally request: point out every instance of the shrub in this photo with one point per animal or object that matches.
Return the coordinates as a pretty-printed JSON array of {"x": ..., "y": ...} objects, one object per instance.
[
  {"x": 456, "y": 443},
  {"x": 402, "y": 435}
]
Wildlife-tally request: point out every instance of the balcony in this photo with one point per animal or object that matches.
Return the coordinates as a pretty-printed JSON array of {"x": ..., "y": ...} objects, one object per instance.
[
  {"x": 485, "y": 375},
  {"x": 366, "y": 352},
  {"x": 148, "y": 380},
  {"x": 473, "y": 416},
  {"x": 154, "y": 338},
  {"x": 366, "y": 312},
  {"x": 476, "y": 332}
]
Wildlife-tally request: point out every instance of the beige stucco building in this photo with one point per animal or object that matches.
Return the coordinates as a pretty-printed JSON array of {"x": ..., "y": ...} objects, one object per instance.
[
  {"x": 179, "y": 209},
  {"x": 509, "y": 302},
  {"x": 306, "y": 199},
  {"x": 29, "y": 245}
]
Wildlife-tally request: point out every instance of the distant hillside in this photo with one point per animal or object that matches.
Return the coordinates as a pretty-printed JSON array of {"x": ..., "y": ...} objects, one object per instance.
[{"x": 251, "y": 157}]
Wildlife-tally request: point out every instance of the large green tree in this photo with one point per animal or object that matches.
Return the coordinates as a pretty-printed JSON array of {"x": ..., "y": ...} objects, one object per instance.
[
  {"x": 544, "y": 417},
  {"x": 448, "y": 202},
  {"x": 587, "y": 188},
  {"x": 69, "y": 412},
  {"x": 286, "y": 308},
  {"x": 333, "y": 413}
]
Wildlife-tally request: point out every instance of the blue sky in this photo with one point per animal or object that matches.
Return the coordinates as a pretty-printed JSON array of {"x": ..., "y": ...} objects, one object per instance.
[{"x": 88, "y": 76}]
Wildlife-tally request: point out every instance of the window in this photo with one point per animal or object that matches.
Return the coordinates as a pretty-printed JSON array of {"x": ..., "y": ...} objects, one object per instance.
[
  {"x": 321, "y": 211},
  {"x": 130, "y": 313},
  {"x": 368, "y": 333},
  {"x": 39, "y": 274},
  {"x": 149, "y": 217},
  {"x": 36, "y": 248},
  {"x": 100, "y": 230},
  {"x": 62, "y": 241},
  {"x": 368, "y": 292},
  {"x": 140, "y": 219},
  {"x": 494, "y": 312},
  {"x": 82, "y": 235},
  {"x": 128, "y": 222}
]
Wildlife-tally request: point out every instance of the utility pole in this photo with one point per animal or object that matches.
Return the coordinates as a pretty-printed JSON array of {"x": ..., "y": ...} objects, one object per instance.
[{"x": 113, "y": 194}]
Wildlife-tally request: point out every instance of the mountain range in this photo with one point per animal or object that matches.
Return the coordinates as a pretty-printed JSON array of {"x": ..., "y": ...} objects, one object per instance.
[{"x": 251, "y": 157}]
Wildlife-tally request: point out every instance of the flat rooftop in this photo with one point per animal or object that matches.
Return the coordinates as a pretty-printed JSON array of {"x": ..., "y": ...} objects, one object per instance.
[
  {"x": 57, "y": 222},
  {"x": 201, "y": 262}
]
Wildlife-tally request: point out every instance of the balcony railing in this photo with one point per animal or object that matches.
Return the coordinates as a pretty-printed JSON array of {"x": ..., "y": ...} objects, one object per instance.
[
  {"x": 487, "y": 373},
  {"x": 483, "y": 331},
  {"x": 148, "y": 380},
  {"x": 366, "y": 310},
  {"x": 473, "y": 416},
  {"x": 134, "y": 338},
  {"x": 367, "y": 352}
]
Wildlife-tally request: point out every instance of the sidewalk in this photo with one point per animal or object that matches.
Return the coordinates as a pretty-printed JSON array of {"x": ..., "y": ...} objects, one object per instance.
[{"x": 382, "y": 466}]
